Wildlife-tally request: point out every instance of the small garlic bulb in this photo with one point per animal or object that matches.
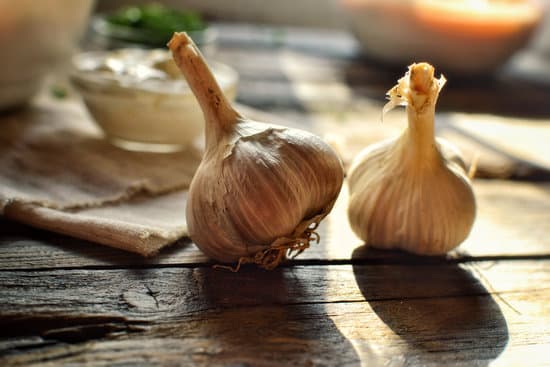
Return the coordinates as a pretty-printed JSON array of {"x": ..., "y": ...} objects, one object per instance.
[
  {"x": 412, "y": 192},
  {"x": 260, "y": 189}
]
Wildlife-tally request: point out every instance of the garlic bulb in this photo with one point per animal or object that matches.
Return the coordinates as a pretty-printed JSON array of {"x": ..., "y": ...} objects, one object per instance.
[
  {"x": 260, "y": 189},
  {"x": 412, "y": 192}
]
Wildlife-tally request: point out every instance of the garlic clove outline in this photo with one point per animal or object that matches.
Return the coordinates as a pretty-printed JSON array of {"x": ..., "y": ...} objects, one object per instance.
[
  {"x": 261, "y": 189},
  {"x": 412, "y": 192}
]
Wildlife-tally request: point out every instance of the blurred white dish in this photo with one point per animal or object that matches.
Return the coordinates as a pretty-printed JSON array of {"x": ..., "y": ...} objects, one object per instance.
[
  {"x": 35, "y": 37},
  {"x": 460, "y": 36},
  {"x": 140, "y": 100}
]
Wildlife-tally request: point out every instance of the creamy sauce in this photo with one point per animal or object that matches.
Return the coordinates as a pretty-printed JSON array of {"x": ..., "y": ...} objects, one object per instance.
[{"x": 147, "y": 70}]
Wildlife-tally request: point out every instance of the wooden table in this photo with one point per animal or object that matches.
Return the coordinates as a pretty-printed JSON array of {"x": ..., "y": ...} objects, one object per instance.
[{"x": 64, "y": 301}]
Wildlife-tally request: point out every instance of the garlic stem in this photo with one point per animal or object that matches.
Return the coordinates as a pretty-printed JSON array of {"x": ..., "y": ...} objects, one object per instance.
[
  {"x": 218, "y": 113},
  {"x": 420, "y": 90},
  {"x": 421, "y": 131}
]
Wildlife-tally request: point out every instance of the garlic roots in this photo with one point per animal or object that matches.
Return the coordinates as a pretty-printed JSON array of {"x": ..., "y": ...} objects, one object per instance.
[
  {"x": 261, "y": 189},
  {"x": 412, "y": 192}
]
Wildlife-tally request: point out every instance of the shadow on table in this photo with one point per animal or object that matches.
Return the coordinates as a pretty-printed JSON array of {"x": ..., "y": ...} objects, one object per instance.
[
  {"x": 272, "y": 318},
  {"x": 443, "y": 312}
]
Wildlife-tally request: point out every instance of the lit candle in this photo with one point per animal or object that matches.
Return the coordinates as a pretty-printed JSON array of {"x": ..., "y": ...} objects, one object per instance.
[
  {"x": 454, "y": 35},
  {"x": 478, "y": 18}
]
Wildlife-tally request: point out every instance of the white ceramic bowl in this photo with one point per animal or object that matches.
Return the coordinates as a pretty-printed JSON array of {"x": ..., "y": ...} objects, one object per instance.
[
  {"x": 457, "y": 36},
  {"x": 140, "y": 109},
  {"x": 36, "y": 37}
]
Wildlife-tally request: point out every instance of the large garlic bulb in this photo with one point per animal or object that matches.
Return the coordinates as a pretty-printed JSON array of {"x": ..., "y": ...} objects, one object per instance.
[
  {"x": 260, "y": 189},
  {"x": 412, "y": 192}
]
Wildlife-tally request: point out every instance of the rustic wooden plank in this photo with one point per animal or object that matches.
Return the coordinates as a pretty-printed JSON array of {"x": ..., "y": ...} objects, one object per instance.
[
  {"x": 513, "y": 220},
  {"x": 320, "y": 315},
  {"x": 143, "y": 293},
  {"x": 349, "y": 334}
]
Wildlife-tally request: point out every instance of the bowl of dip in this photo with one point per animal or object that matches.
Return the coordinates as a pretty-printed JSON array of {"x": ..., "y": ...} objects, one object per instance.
[{"x": 141, "y": 101}]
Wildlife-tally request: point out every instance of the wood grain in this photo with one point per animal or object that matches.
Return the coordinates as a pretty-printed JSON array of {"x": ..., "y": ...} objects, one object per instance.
[{"x": 328, "y": 315}]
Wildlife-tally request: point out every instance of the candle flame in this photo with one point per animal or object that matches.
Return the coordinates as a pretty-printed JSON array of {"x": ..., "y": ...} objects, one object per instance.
[{"x": 479, "y": 5}]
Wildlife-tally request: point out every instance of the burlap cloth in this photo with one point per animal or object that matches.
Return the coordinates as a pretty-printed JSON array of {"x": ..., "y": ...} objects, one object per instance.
[{"x": 58, "y": 173}]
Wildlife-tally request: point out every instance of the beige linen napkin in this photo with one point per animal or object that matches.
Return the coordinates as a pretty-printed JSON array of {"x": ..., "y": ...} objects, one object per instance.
[{"x": 58, "y": 173}]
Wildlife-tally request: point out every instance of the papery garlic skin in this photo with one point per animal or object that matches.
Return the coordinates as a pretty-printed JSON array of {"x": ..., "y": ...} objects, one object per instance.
[
  {"x": 412, "y": 192},
  {"x": 259, "y": 186}
]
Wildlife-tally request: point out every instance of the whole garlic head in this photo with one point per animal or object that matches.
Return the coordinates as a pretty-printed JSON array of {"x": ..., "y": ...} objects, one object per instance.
[
  {"x": 412, "y": 192},
  {"x": 260, "y": 189}
]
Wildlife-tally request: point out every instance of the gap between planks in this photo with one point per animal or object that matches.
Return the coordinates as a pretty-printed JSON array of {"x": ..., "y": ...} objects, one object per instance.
[{"x": 403, "y": 259}]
